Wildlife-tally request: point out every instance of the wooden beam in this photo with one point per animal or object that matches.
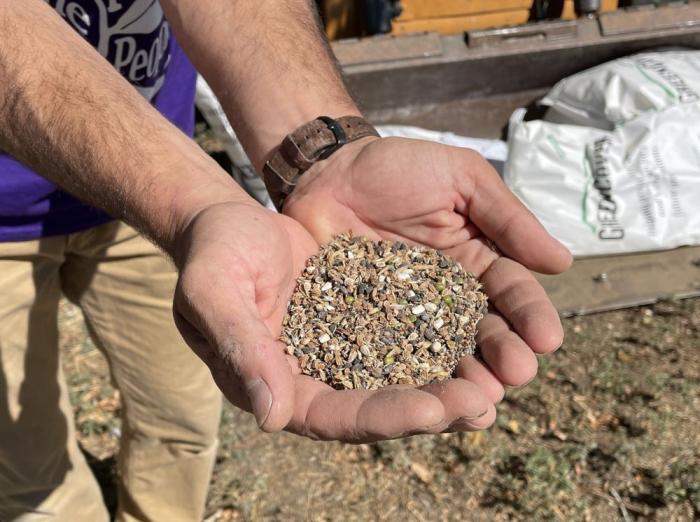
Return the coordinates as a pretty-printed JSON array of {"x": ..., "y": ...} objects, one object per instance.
[
  {"x": 418, "y": 9},
  {"x": 343, "y": 19},
  {"x": 458, "y": 24},
  {"x": 569, "y": 12},
  {"x": 604, "y": 283}
]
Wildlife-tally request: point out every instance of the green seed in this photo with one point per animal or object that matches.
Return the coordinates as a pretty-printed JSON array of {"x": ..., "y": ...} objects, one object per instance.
[
  {"x": 349, "y": 299},
  {"x": 389, "y": 359},
  {"x": 439, "y": 287},
  {"x": 412, "y": 318},
  {"x": 447, "y": 299}
]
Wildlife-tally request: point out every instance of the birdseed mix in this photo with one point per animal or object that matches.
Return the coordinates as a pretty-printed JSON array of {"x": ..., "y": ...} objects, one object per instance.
[{"x": 367, "y": 314}]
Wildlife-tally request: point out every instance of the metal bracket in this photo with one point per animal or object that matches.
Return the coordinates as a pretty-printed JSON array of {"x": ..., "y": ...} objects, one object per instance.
[{"x": 537, "y": 32}]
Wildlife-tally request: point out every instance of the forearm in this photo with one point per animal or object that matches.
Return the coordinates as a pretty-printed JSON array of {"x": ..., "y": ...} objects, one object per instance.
[
  {"x": 268, "y": 64},
  {"x": 70, "y": 116}
]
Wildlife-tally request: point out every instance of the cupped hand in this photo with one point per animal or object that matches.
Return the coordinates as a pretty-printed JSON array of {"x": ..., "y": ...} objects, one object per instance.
[
  {"x": 238, "y": 263},
  {"x": 451, "y": 199}
]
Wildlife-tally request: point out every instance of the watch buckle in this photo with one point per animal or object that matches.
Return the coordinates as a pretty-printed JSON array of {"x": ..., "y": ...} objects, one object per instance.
[{"x": 340, "y": 137}]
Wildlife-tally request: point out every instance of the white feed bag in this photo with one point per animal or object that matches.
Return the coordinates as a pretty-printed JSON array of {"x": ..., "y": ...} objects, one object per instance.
[
  {"x": 608, "y": 192},
  {"x": 619, "y": 91}
]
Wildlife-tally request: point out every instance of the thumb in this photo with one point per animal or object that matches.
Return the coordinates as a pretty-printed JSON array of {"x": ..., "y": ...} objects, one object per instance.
[
  {"x": 261, "y": 364},
  {"x": 247, "y": 363}
]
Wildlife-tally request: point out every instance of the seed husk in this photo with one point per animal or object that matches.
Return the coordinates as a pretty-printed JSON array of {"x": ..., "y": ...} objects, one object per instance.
[{"x": 367, "y": 314}]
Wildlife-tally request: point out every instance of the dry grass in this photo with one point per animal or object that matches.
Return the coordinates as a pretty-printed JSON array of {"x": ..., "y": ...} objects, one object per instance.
[{"x": 608, "y": 431}]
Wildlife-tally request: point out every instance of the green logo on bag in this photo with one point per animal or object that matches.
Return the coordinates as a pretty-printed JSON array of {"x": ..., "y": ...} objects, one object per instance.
[{"x": 597, "y": 168}]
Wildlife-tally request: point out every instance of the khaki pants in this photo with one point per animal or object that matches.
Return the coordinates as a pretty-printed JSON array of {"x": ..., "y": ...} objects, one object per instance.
[{"x": 171, "y": 407}]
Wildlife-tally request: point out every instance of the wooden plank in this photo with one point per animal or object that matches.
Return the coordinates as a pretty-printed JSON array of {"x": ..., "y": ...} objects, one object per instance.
[
  {"x": 569, "y": 11},
  {"x": 597, "y": 284},
  {"x": 343, "y": 19},
  {"x": 458, "y": 24},
  {"x": 418, "y": 9},
  {"x": 466, "y": 73},
  {"x": 387, "y": 49},
  {"x": 635, "y": 21}
]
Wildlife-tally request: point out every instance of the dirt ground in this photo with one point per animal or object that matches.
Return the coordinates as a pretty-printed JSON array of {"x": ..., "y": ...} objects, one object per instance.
[{"x": 608, "y": 431}]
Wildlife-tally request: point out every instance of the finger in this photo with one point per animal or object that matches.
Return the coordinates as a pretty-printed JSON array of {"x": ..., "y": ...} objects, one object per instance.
[
  {"x": 481, "y": 423},
  {"x": 474, "y": 255},
  {"x": 462, "y": 400},
  {"x": 504, "y": 219},
  {"x": 510, "y": 367},
  {"x": 363, "y": 415},
  {"x": 522, "y": 301},
  {"x": 506, "y": 354},
  {"x": 471, "y": 369}
]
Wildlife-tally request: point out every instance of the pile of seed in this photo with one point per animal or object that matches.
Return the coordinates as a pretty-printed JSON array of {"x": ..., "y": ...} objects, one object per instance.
[{"x": 367, "y": 314}]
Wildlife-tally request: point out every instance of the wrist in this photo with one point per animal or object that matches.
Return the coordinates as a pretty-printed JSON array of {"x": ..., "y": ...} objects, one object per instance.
[
  {"x": 263, "y": 140},
  {"x": 190, "y": 202},
  {"x": 311, "y": 144},
  {"x": 189, "y": 182},
  {"x": 336, "y": 167},
  {"x": 330, "y": 178}
]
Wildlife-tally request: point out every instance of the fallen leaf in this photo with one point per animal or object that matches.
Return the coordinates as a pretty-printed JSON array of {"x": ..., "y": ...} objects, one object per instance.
[
  {"x": 475, "y": 438},
  {"x": 624, "y": 357},
  {"x": 423, "y": 473},
  {"x": 560, "y": 435},
  {"x": 606, "y": 420},
  {"x": 514, "y": 426}
]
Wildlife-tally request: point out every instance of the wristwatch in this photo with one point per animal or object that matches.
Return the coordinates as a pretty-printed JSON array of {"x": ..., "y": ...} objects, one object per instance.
[{"x": 310, "y": 143}]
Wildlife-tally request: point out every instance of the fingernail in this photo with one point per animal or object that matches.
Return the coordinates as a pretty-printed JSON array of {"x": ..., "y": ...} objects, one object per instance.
[
  {"x": 473, "y": 418},
  {"x": 433, "y": 426},
  {"x": 422, "y": 430},
  {"x": 465, "y": 422},
  {"x": 260, "y": 400}
]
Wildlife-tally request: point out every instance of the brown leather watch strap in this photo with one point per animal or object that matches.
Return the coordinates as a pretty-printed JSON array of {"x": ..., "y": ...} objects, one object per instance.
[{"x": 305, "y": 146}]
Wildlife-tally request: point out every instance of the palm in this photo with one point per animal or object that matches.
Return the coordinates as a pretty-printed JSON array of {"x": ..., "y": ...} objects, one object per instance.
[
  {"x": 449, "y": 199},
  {"x": 389, "y": 198},
  {"x": 235, "y": 283}
]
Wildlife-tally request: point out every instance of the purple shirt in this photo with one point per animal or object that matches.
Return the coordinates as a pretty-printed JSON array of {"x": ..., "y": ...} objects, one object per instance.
[{"x": 136, "y": 39}]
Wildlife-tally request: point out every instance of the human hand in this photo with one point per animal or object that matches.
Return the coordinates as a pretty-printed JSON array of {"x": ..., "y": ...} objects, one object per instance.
[
  {"x": 238, "y": 263},
  {"x": 450, "y": 199}
]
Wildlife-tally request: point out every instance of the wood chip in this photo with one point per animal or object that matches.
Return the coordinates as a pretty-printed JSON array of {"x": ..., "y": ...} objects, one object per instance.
[{"x": 423, "y": 473}]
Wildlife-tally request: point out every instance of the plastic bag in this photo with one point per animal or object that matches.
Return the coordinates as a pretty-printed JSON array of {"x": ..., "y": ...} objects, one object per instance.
[
  {"x": 495, "y": 151},
  {"x": 633, "y": 189},
  {"x": 241, "y": 168},
  {"x": 619, "y": 91},
  {"x": 244, "y": 173}
]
